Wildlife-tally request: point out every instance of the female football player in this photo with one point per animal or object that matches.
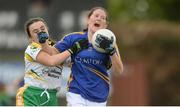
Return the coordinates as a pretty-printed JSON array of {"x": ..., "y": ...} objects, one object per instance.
[
  {"x": 89, "y": 81},
  {"x": 42, "y": 71}
]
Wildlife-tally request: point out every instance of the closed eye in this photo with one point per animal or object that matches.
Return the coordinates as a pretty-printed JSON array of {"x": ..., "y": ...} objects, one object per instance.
[
  {"x": 42, "y": 27},
  {"x": 36, "y": 31}
]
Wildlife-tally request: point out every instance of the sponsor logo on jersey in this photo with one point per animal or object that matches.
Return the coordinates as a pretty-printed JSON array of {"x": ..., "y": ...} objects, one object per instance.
[{"x": 88, "y": 61}]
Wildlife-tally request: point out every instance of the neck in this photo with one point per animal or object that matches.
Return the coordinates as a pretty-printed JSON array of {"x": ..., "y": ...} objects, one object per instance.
[{"x": 90, "y": 34}]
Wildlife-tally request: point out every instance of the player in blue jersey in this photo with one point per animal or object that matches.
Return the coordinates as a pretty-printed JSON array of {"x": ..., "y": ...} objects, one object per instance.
[
  {"x": 89, "y": 81},
  {"x": 42, "y": 71}
]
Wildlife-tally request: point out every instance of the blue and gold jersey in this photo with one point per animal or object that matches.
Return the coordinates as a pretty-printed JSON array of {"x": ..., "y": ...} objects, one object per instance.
[{"x": 89, "y": 76}]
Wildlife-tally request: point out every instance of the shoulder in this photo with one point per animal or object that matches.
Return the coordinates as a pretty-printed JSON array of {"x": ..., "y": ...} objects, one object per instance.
[
  {"x": 33, "y": 46},
  {"x": 74, "y": 35},
  {"x": 32, "y": 50},
  {"x": 69, "y": 39}
]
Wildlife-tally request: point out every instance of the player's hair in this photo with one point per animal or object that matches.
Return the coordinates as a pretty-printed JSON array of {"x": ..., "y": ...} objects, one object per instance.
[
  {"x": 96, "y": 8},
  {"x": 31, "y": 21}
]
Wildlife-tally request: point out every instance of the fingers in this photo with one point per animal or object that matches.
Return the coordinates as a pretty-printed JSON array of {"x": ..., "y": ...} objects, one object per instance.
[
  {"x": 110, "y": 51},
  {"x": 105, "y": 43}
]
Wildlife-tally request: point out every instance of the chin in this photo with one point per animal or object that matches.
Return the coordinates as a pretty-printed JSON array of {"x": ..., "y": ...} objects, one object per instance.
[{"x": 96, "y": 29}]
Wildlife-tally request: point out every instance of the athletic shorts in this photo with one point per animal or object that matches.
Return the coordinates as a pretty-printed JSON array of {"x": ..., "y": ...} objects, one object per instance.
[
  {"x": 76, "y": 100},
  {"x": 34, "y": 96}
]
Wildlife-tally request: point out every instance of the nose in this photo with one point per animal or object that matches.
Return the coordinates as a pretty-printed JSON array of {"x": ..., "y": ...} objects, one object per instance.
[{"x": 99, "y": 18}]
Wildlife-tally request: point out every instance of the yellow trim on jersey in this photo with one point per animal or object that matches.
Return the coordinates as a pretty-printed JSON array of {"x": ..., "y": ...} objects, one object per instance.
[
  {"x": 81, "y": 33},
  {"x": 28, "y": 57},
  {"x": 20, "y": 97},
  {"x": 69, "y": 81},
  {"x": 33, "y": 44},
  {"x": 34, "y": 75},
  {"x": 105, "y": 78}
]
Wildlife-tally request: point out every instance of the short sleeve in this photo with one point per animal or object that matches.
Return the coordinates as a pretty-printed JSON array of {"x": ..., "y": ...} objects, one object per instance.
[
  {"x": 33, "y": 50},
  {"x": 64, "y": 44}
]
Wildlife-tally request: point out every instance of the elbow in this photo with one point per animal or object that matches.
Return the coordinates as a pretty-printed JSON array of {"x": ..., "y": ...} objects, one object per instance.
[
  {"x": 119, "y": 70},
  {"x": 51, "y": 63}
]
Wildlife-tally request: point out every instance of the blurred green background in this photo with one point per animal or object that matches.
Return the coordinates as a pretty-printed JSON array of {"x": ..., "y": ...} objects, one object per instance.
[{"x": 148, "y": 36}]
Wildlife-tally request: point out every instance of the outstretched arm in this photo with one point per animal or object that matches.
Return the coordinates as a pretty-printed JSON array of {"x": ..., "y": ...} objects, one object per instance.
[
  {"x": 51, "y": 50},
  {"x": 56, "y": 59},
  {"x": 48, "y": 60},
  {"x": 117, "y": 65}
]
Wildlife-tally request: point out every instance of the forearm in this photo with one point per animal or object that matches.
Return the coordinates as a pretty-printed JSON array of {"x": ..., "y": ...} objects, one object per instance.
[
  {"x": 52, "y": 60},
  {"x": 49, "y": 49},
  {"x": 58, "y": 58},
  {"x": 117, "y": 65}
]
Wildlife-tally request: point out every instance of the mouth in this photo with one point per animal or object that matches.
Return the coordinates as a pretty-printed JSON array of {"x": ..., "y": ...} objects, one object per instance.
[{"x": 97, "y": 25}]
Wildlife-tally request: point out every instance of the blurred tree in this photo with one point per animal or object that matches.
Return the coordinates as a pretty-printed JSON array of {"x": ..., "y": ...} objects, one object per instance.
[
  {"x": 157, "y": 45},
  {"x": 164, "y": 9},
  {"x": 129, "y": 10}
]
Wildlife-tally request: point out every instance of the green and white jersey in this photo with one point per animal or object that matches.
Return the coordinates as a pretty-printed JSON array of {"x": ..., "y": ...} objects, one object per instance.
[{"x": 37, "y": 74}]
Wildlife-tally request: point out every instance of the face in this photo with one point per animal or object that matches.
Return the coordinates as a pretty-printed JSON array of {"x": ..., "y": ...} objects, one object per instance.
[
  {"x": 97, "y": 20},
  {"x": 35, "y": 28}
]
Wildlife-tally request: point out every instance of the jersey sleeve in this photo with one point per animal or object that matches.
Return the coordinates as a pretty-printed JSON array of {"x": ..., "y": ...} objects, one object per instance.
[
  {"x": 64, "y": 44},
  {"x": 69, "y": 40},
  {"x": 32, "y": 51}
]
